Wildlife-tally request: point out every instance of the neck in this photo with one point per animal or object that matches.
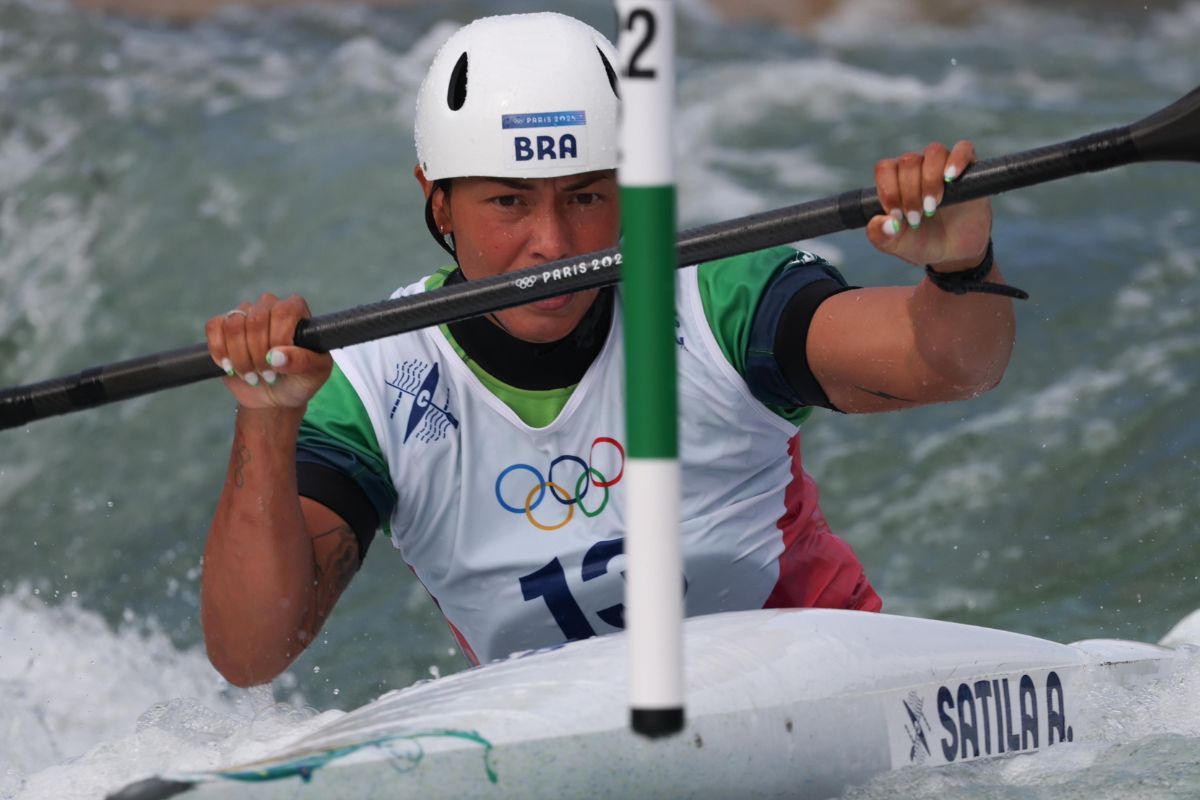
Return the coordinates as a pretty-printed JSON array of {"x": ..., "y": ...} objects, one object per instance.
[{"x": 530, "y": 365}]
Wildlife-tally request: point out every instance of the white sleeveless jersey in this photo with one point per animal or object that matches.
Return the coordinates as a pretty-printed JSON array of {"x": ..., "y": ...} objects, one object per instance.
[{"x": 517, "y": 532}]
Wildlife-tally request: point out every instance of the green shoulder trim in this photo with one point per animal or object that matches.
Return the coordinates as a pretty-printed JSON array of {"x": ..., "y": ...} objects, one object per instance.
[
  {"x": 730, "y": 290},
  {"x": 438, "y": 279},
  {"x": 536, "y": 408},
  {"x": 337, "y": 432}
]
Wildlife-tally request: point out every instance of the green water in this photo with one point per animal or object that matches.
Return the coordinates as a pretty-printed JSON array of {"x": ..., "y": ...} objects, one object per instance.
[{"x": 151, "y": 176}]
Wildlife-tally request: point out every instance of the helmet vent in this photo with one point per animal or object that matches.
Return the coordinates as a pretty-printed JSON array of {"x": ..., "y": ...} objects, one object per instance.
[
  {"x": 612, "y": 75},
  {"x": 457, "y": 95}
]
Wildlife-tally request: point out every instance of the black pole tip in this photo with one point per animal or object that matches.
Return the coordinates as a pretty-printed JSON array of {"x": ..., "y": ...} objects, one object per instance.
[
  {"x": 151, "y": 789},
  {"x": 654, "y": 723}
]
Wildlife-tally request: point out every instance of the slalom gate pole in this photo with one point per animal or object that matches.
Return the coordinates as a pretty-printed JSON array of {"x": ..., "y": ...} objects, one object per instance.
[{"x": 654, "y": 583}]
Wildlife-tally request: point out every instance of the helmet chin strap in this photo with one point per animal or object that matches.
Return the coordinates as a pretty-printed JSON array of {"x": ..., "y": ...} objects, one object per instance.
[{"x": 431, "y": 223}]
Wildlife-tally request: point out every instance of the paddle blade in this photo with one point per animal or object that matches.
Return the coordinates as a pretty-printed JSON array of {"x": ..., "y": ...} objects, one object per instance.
[{"x": 1172, "y": 134}]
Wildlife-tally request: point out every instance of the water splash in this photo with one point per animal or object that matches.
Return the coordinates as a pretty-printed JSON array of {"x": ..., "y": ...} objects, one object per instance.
[{"x": 84, "y": 707}]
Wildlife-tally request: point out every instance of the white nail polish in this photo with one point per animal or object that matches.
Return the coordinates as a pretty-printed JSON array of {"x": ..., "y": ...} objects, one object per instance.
[
  {"x": 891, "y": 227},
  {"x": 914, "y": 219},
  {"x": 897, "y": 214},
  {"x": 276, "y": 359},
  {"x": 251, "y": 378},
  {"x": 951, "y": 173},
  {"x": 227, "y": 365},
  {"x": 930, "y": 205}
]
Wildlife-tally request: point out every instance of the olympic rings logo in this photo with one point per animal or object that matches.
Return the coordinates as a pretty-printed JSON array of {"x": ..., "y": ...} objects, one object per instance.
[
  {"x": 589, "y": 477},
  {"x": 527, "y": 282}
]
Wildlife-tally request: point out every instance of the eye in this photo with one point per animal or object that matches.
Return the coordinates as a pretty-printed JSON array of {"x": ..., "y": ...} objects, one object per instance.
[
  {"x": 588, "y": 198},
  {"x": 505, "y": 200}
]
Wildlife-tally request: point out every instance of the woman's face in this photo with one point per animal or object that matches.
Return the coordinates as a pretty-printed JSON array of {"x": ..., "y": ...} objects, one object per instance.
[{"x": 502, "y": 224}]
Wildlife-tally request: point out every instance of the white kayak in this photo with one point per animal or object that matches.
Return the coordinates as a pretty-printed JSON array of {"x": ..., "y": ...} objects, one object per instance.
[{"x": 795, "y": 704}]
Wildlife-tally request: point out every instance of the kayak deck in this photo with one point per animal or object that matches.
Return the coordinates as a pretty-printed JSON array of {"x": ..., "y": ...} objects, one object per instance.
[{"x": 780, "y": 703}]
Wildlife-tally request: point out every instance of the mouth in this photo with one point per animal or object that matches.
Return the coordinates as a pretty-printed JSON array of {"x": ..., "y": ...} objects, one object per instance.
[{"x": 551, "y": 303}]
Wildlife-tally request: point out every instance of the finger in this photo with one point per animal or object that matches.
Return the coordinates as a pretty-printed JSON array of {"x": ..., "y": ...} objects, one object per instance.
[
  {"x": 214, "y": 332},
  {"x": 236, "y": 345},
  {"x": 258, "y": 332},
  {"x": 285, "y": 316},
  {"x": 887, "y": 186},
  {"x": 909, "y": 177},
  {"x": 293, "y": 360},
  {"x": 961, "y": 157},
  {"x": 883, "y": 231},
  {"x": 933, "y": 183}
]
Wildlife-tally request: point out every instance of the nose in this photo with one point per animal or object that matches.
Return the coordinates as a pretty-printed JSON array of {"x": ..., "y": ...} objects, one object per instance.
[{"x": 550, "y": 237}]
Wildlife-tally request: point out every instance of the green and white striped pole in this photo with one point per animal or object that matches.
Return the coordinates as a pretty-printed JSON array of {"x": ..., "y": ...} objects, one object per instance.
[{"x": 654, "y": 582}]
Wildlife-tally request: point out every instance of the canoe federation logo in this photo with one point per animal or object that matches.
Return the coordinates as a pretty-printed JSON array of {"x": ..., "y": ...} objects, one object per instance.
[
  {"x": 428, "y": 418},
  {"x": 572, "y": 483},
  {"x": 916, "y": 727}
]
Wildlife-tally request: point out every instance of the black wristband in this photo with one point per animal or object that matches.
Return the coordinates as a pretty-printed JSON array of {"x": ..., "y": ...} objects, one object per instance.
[{"x": 971, "y": 280}]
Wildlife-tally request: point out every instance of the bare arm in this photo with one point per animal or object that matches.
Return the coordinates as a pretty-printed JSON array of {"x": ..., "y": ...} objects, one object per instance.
[
  {"x": 275, "y": 563},
  {"x": 889, "y": 348}
]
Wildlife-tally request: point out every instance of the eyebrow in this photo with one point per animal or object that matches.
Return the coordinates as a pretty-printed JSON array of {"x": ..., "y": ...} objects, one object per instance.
[
  {"x": 512, "y": 183},
  {"x": 585, "y": 181},
  {"x": 524, "y": 186}
]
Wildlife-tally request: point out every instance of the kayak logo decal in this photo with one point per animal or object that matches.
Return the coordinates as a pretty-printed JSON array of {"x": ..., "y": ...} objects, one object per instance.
[
  {"x": 418, "y": 380},
  {"x": 916, "y": 728},
  {"x": 522, "y": 488}
]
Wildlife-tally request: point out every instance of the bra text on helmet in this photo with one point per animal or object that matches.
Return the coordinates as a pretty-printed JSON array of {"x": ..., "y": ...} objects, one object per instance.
[{"x": 545, "y": 147}]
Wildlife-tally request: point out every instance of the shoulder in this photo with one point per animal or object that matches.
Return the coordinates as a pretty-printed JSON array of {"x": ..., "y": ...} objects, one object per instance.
[
  {"x": 756, "y": 270},
  {"x": 427, "y": 283},
  {"x": 732, "y": 290}
]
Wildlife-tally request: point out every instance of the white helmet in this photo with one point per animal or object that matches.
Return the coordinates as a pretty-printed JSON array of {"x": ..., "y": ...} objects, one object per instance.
[{"x": 521, "y": 96}]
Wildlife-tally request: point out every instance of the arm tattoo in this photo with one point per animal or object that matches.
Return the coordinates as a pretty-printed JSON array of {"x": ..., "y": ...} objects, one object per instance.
[
  {"x": 240, "y": 458},
  {"x": 332, "y": 573},
  {"x": 883, "y": 395},
  {"x": 340, "y": 529}
]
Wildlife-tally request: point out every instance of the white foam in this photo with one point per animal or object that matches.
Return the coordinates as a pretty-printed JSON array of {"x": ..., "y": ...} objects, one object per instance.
[
  {"x": 223, "y": 202},
  {"x": 15, "y": 474},
  {"x": 46, "y": 277},
  {"x": 365, "y": 64},
  {"x": 857, "y": 22},
  {"x": 88, "y": 709},
  {"x": 1181, "y": 25},
  {"x": 729, "y": 93},
  {"x": 1151, "y": 364},
  {"x": 1168, "y": 705},
  {"x": 720, "y": 104},
  {"x": 27, "y": 149}
]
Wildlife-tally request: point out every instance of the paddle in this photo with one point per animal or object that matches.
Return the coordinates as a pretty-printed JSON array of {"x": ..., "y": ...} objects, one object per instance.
[{"x": 1171, "y": 134}]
